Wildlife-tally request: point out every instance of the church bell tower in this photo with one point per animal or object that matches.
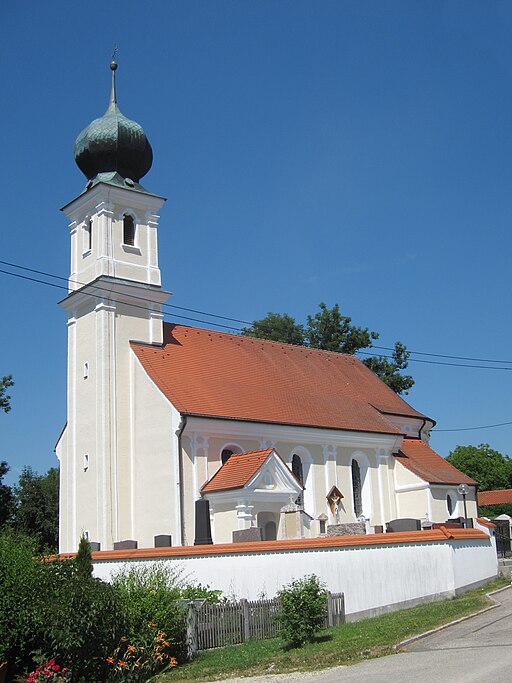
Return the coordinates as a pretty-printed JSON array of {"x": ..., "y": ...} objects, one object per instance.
[{"x": 115, "y": 296}]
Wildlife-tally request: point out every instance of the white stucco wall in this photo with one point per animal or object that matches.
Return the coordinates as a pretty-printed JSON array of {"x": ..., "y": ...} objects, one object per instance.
[{"x": 374, "y": 578}]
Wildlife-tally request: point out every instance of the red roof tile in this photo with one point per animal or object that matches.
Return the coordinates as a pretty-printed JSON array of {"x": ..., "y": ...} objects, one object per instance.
[
  {"x": 221, "y": 375},
  {"x": 420, "y": 459},
  {"x": 237, "y": 471},
  {"x": 485, "y": 522},
  {"x": 495, "y": 497},
  {"x": 427, "y": 536}
]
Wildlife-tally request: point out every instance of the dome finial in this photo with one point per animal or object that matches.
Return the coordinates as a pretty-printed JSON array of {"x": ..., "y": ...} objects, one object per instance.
[
  {"x": 113, "y": 67},
  {"x": 113, "y": 146}
]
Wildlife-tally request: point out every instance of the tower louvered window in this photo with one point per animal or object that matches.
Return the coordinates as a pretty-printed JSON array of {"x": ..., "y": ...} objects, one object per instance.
[{"x": 128, "y": 230}]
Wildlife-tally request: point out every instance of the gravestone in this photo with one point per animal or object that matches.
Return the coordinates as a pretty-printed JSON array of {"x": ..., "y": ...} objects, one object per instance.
[
  {"x": 163, "y": 541},
  {"x": 203, "y": 534},
  {"x": 348, "y": 529},
  {"x": 250, "y": 535},
  {"x": 404, "y": 524},
  {"x": 125, "y": 545}
]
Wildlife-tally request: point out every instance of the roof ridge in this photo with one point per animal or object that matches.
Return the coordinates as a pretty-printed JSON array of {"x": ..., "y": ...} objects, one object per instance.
[{"x": 247, "y": 337}]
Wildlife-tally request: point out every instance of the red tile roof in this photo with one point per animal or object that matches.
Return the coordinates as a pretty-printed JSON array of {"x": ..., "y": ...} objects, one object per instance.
[
  {"x": 237, "y": 471},
  {"x": 221, "y": 375},
  {"x": 495, "y": 497},
  {"x": 427, "y": 536},
  {"x": 420, "y": 459},
  {"x": 485, "y": 522}
]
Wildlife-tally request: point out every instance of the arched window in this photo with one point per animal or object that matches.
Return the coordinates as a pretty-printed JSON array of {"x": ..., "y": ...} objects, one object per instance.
[
  {"x": 225, "y": 455},
  {"x": 299, "y": 473},
  {"x": 356, "y": 489},
  {"x": 128, "y": 230},
  {"x": 451, "y": 503}
]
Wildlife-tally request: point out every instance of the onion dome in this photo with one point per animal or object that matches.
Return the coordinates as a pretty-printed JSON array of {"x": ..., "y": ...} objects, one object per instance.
[{"x": 113, "y": 147}]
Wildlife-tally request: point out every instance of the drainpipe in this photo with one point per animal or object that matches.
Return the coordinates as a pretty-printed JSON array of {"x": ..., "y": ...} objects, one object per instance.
[{"x": 179, "y": 433}]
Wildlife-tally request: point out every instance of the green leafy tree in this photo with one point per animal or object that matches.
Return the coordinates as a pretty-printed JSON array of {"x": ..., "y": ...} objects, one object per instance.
[
  {"x": 389, "y": 370},
  {"x": 303, "y": 610},
  {"x": 37, "y": 507},
  {"x": 329, "y": 330},
  {"x": 279, "y": 327},
  {"x": 490, "y": 468},
  {"x": 495, "y": 510},
  {"x": 5, "y": 400},
  {"x": 6, "y": 496}
]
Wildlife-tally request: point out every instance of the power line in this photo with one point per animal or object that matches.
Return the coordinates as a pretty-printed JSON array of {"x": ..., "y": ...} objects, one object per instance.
[
  {"x": 82, "y": 284},
  {"x": 444, "y": 355},
  {"x": 469, "y": 429},
  {"x": 418, "y": 360},
  {"x": 232, "y": 328},
  {"x": 437, "y": 362},
  {"x": 116, "y": 301},
  {"x": 247, "y": 322}
]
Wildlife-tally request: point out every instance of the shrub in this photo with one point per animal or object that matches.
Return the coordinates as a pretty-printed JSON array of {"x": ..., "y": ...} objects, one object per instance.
[
  {"x": 303, "y": 609},
  {"x": 79, "y": 620},
  {"x": 149, "y": 597},
  {"x": 19, "y": 586}
]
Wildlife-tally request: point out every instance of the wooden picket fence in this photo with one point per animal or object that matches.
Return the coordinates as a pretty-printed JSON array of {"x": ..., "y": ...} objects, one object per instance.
[{"x": 236, "y": 622}]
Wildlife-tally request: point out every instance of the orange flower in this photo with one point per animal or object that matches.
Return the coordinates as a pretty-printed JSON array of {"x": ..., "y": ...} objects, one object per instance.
[
  {"x": 121, "y": 663},
  {"x": 131, "y": 648},
  {"x": 173, "y": 661},
  {"x": 110, "y": 660}
]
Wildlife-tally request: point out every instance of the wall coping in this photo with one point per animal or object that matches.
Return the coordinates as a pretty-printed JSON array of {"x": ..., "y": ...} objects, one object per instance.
[{"x": 442, "y": 534}]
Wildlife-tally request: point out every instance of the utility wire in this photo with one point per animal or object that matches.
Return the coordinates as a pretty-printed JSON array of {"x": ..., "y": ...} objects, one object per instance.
[
  {"x": 437, "y": 362},
  {"x": 231, "y": 328},
  {"x": 116, "y": 301},
  {"x": 96, "y": 296},
  {"x": 469, "y": 429},
  {"x": 247, "y": 322},
  {"x": 82, "y": 284}
]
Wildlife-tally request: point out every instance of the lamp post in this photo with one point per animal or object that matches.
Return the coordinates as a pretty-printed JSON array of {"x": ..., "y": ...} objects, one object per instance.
[{"x": 463, "y": 490}]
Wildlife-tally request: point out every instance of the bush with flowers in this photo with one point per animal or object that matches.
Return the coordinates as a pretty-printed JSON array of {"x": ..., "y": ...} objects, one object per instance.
[
  {"x": 49, "y": 671},
  {"x": 142, "y": 657}
]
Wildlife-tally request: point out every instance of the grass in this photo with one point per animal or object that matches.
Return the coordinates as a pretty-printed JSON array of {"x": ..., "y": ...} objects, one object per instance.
[{"x": 344, "y": 644}]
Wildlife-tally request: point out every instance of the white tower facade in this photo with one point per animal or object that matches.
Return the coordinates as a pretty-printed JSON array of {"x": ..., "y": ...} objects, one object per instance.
[{"x": 115, "y": 297}]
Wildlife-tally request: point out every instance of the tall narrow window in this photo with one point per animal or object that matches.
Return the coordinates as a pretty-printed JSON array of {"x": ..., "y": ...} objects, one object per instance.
[
  {"x": 298, "y": 472},
  {"x": 356, "y": 489},
  {"x": 87, "y": 236},
  {"x": 128, "y": 230}
]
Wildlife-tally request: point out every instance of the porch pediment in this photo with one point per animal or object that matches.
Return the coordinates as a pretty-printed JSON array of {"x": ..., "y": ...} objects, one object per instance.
[{"x": 259, "y": 475}]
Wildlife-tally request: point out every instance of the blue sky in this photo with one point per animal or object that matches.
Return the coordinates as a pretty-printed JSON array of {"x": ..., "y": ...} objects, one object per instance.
[{"x": 352, "y": 152}]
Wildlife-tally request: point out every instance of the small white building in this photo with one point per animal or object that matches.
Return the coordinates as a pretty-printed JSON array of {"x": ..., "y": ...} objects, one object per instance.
[{"x": 292, "y": 441}]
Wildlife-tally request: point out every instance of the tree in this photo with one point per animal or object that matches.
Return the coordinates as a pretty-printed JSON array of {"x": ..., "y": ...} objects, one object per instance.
[
  {"x": 83, "y": 558},
  {"x": 490, "y": 468},
  {"x": 279, "y": 327},
  {"x": 329, "y": 330},
  {"x": 6, "y": 496},
  {"x": 37, "y": 507},
  {"x": 5, "y": 400},
  {"x": 388, "y": 370},
  {"x": 303, "y": 610}
]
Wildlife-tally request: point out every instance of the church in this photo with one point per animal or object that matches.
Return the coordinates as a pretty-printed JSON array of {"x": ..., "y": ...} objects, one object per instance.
[{"x": 278, "y": 441}]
